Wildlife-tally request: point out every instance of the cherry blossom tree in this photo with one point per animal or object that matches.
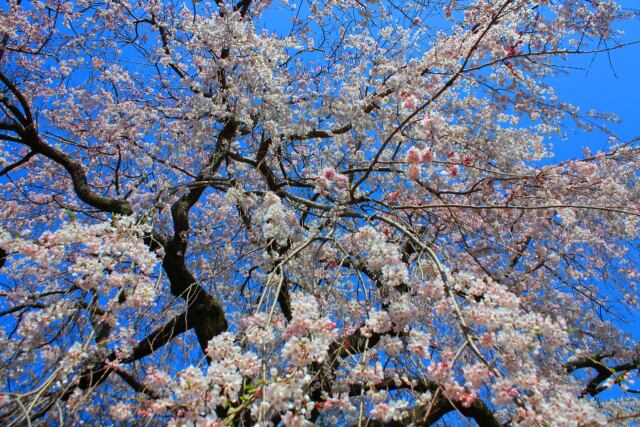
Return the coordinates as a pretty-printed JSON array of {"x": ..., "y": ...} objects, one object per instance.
[{"x": 314, "y": 212}]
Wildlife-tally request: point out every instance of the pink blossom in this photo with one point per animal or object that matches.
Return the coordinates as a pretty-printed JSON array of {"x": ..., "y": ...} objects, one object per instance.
[
  {"x": 413, "y": 172},
  {"x": 426, "y": 155},
  {"x": 409, "y": 100},
  {"x": 413, "y": 155},
  {"x": 121, "y": 412}
]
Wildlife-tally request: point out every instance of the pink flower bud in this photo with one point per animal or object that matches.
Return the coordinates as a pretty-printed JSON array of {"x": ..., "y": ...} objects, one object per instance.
[
  {"x": 426, "y": 155},
  {"x": 414, "y": 172},
  {"x": 413, "y": 155}
]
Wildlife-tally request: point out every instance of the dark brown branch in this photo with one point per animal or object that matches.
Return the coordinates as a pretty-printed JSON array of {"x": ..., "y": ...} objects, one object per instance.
[
  {"x": 20, "y": 162},
  {"x": 98, "y": 374},
  {"x": 135, "y": 384},
  {"x": 25, "y": 117},
  {"x": 603, "y": 372},
  {"x": 205, "y": 312},
  {"x": 284, "y": 301},
  {"x": 78, "y": 176},
  {"x": 432, "y": 412},
  {"x": 30, "y": 137}
]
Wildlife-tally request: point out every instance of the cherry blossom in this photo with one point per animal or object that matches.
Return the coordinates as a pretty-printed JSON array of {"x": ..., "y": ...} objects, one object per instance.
[{"x": 321, "y": 213}]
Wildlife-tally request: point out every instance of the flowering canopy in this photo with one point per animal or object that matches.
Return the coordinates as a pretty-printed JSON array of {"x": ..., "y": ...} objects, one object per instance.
[{"x": 330, "y": 212}]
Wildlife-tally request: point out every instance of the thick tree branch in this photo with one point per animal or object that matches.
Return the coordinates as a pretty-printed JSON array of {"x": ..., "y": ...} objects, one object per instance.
[
  {"x": 603, "y": 371},
  {"x": 431, "y": 412},
  {"x": 205, "y": 312}
]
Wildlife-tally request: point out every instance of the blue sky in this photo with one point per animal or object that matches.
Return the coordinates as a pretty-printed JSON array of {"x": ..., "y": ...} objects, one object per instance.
[{"x": 606, "y": 83}]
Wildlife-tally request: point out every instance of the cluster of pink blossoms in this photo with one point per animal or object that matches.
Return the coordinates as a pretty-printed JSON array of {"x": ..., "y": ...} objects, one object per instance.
[
  {"x": 381, "y": 255},
  {"x": 329, "y": 179}
]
